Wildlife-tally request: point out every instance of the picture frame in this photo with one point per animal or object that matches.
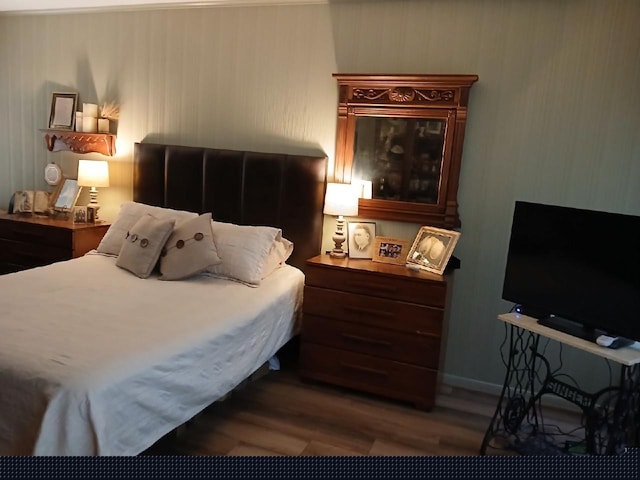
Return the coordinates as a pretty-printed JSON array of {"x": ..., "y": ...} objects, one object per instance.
[
  {"x": 390, "y": 250},
  {"x": 23, "y": 201},
  {"x": 91, "y": 214},
  {"x": 360, "y": 239},
  {"x": 432, "y": 249},
  {"x": 63, "y": 110},
  {"x": 66, "y": 195},
  {"x": 79, "y": 214}
]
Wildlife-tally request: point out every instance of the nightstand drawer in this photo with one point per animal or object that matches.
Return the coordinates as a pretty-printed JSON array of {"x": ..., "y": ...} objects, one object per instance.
[
  {"x": 29, "y": 255},
  {"x": 416, "y": 349},
  {"x": 401, "y": 316},
  {"x": 366, "y": 283},
  {"x": 32, "y": 233},
  {"x": 369, "y": 373}
]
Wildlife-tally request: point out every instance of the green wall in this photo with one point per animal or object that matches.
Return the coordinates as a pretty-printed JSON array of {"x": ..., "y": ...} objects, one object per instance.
[{"x": 554, "y": 117}]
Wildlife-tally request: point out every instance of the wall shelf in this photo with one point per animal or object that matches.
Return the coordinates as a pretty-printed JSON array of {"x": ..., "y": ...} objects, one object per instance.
[{"x": 80, "y": 142}]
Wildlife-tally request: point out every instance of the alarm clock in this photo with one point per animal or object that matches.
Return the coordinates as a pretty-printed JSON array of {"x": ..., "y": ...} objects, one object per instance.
[{"x": 52, "y": 174}]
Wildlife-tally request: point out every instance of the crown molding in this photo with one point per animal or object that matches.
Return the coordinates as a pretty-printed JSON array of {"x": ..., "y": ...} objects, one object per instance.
[{"x": 39, "y": 7}]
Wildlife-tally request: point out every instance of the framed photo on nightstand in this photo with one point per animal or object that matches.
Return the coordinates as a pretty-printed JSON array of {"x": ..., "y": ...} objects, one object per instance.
[
  {"x": 361, "y": 236},
  {"x": 79, "y": 214},
  {"x": 390, "y": 250}
]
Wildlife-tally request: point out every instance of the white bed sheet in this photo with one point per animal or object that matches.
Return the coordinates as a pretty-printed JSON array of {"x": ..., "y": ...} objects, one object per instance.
[{"x": 95, "y": 361}]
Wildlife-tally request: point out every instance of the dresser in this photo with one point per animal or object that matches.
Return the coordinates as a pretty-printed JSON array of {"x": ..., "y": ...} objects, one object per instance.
[
  {"x": 374, "y": 327},
  {"x": 29, "y": 241}
]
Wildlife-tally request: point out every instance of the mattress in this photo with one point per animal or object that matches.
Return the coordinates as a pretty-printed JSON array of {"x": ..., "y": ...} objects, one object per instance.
[{"x": 96, "y": 361}]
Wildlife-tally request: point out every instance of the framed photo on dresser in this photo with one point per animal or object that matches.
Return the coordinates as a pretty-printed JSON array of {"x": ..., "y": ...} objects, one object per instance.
[
  {"x": 360, "y": 239},
  {"x": 390, "y": 250}
]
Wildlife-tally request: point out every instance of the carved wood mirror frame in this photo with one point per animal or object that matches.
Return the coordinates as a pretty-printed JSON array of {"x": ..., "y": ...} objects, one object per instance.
[{"x": 416, "y": 102}]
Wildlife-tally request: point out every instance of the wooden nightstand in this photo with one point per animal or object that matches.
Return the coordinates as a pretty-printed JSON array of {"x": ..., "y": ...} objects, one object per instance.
[
  {"x": 374, "y": 327},
  {"x": 28, "y": 241}
]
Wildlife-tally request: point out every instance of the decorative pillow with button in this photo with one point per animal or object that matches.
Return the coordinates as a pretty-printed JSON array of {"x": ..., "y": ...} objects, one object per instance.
[
  {"x": 129, "y": 214},
  {"x": 143, "y": 243},
  {"x": 189, "y": 250}
]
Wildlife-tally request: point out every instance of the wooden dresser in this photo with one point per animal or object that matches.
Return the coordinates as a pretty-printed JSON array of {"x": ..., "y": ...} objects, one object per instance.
[
  {"x": 28, "y": 241},
  {"x": 374, "y": 327}
]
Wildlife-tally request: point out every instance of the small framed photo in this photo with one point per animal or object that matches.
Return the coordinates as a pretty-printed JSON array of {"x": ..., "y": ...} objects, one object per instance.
[
  {"x": 360, "y": 239},
  {"x": 91, "y": 214},
  {"x": 390, "y": 250},
  {"x": 65, "y": 197},
  {"x": 432, "y": 249},
  {"x": 23, "y": 201},
  {"x": 79, "y": 214},
  {"x": 63, "y": 111}
]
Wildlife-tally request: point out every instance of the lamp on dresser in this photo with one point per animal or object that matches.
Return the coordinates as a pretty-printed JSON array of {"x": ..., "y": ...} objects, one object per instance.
[
  {"x": 341, "y": 199},
  {"x": 93, "y": 174}
]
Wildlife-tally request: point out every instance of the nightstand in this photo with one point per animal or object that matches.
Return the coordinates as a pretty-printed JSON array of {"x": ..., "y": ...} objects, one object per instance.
[
  {"x": 374, "y": 327},
  {"x": 29, "y": 241}
]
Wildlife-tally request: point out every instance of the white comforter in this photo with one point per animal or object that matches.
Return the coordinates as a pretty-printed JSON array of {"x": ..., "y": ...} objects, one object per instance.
[{"x": 95, "y": 361}]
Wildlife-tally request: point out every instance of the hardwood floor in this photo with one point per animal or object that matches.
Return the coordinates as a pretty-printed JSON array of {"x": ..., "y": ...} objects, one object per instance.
[{"x": 278, "y": 414}]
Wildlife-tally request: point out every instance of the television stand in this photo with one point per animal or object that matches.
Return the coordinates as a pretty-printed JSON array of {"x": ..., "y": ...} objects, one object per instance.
[
  {"x": 571, "y": 328},
  {"x": 611, "y": 416}
]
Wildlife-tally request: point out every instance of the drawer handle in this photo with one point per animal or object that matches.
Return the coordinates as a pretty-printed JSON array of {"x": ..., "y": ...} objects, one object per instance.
[
  {"x": 367, "y": 311},
  {"x": 427, "y": 334},
  {"x": 375, "y": 371},
  {"x": 30, "y": 236},
  {"x": 372, "y": 341},
  {"x": 368, "y": 286}
]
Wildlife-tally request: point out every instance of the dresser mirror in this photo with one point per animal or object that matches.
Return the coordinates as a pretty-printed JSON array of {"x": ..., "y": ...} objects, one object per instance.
[{"x": 404, "y": 134}]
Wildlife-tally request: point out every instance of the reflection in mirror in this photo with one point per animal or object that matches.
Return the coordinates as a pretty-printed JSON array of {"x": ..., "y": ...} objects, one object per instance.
[{"x": 402, "y": 157}]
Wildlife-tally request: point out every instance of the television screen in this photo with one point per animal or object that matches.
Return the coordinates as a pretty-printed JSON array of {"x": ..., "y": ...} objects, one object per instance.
[{"x": 575, "y": 264}]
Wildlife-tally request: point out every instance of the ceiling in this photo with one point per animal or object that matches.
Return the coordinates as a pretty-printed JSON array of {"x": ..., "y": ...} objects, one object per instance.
[{"x": 43, "y": 6}]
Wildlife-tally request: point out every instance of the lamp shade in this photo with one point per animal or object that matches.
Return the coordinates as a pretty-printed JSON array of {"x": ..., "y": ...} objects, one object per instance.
[
  {"x": 93, "y": 173},
  {"x": 341, "y": 199}
]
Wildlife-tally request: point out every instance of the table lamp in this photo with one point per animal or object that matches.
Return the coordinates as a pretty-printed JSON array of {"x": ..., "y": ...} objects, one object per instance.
[
  {"x": 93, "y": 174},
  {"x": 341, "y": 199}
]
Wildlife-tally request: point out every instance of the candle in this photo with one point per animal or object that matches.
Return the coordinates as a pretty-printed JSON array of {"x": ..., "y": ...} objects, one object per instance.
[
  {"x": 78, "y": 121},
  {"x": 103, "y": 125},
  {"x": 89, "y": 124},
  {"x": 90, "y": 109}
]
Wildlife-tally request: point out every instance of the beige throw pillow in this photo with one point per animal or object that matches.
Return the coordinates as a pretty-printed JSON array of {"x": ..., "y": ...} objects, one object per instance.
[
  {"x": 143, "y": 243},
  {"x": 129, "y": 214},
  {"x": 189, "y": 250}
]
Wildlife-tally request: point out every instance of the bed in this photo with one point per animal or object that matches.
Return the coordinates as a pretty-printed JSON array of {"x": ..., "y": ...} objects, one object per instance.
[{"x": 96, "y": 360}]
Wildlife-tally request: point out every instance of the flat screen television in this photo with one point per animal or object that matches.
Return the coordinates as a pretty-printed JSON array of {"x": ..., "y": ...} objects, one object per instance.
[{"x": 576, "y": 270}]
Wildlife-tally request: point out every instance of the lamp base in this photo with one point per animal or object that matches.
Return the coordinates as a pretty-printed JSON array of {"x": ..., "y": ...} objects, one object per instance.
[{"x": 337, "y": 254}]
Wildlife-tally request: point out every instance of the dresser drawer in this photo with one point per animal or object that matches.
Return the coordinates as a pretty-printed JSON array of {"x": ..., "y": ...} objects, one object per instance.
[
  {"x": 367, "y": 283},
  {"x": 367, "y": 310},
  {"x": 415, "y": 349},
  {"x": 32, "y": 233},
  {"x": 29, "y": 255},
  {"x": 369, "y": 373}
]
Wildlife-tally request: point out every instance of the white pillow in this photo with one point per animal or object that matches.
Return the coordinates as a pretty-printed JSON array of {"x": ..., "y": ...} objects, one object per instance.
[
  {"x": 189, "y": 250},
  {"x": 244, "y": 251},
  {"x": 281, "y": 250},
  {"x": 130, "y": 213}
]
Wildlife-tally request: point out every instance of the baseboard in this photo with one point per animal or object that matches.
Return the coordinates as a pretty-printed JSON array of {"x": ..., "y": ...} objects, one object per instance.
[{"x": 493, "y": 389}]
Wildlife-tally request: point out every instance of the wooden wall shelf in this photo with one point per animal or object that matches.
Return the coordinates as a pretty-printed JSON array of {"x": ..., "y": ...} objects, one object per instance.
[{"x": 80, "y": 142}]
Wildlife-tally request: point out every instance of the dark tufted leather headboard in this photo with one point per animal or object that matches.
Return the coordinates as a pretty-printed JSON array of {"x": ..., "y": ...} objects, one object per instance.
[{"x": 247, "y": 188}]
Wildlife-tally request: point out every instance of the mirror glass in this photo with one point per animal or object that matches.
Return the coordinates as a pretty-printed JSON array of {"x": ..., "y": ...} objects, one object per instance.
[{"x": 402, "y": 157}]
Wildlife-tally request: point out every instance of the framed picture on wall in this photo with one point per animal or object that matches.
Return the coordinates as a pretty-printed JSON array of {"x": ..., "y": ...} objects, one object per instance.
[
  {"x": 360, "y": 238},
  {"x": 63, "y": 110}
]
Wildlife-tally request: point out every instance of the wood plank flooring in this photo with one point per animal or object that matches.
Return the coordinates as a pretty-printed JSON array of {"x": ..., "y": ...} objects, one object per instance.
[{"x": 278, "y": 414}]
